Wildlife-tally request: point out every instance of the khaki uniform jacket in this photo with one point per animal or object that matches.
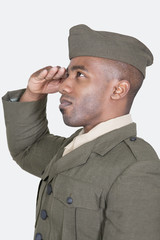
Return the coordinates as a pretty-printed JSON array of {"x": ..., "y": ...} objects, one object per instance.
[{"x": 107, "y": 189}]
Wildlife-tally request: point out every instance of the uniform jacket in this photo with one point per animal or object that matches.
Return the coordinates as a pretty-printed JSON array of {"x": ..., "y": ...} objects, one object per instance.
[{"x": 107, "y": 189}]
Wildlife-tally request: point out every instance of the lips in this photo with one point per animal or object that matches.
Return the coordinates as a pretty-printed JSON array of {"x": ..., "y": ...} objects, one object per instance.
[{"x": 64, "y": 103}]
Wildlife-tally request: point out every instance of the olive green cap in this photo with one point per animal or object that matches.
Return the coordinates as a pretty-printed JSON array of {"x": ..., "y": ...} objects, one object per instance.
[{"x": 83, "y": 41}]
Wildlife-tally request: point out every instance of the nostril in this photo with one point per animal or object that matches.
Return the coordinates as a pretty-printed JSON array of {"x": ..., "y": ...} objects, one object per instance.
[
  {"x": 66, "y": 85},
  {"x": 63, "y": 87}
]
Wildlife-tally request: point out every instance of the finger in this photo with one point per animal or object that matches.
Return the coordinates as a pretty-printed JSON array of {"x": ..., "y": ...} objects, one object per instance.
[
  {"x": 60, "y": 74},
  {"x": 65, "y": 75},
  {"x": 53, "y": 86},
  {"x": 42, "y": 74},
  {"x": 51, "y": 73}
]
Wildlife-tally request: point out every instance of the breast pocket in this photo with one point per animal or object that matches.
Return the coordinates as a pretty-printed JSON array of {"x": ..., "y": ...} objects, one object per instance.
[{"x": 82, "y": 213}]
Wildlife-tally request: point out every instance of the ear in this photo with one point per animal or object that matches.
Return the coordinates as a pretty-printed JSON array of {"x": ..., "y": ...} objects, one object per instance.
[{"x": 120, "y": 90}]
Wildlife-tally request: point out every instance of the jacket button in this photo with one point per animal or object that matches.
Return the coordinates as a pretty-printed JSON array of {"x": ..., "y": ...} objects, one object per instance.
[
  {"x": 38, "y": 236},
  {"x": 69, "y": 200},
  {"x": 49, "y": 189},
  {"x": 133, "y": 139},
  {"x": 44, "y": 214}
]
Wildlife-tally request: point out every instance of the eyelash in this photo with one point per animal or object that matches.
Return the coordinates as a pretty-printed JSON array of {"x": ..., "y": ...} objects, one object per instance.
[{"x": 79, "y": 73}]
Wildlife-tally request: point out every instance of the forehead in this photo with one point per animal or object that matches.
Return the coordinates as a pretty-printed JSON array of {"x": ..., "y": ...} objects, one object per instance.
[
  {"x": 88, "y": 62},
  {"x": 101, "y": 67}
]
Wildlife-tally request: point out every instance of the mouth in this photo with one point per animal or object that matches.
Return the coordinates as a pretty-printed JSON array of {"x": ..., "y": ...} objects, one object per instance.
[{"x": 64, "y": 103}]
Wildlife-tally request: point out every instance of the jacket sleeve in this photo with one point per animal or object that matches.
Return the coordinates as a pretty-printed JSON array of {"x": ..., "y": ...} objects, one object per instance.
[
  {"x": 29, "y": 141},
  {"x": 133, "y": 206}
]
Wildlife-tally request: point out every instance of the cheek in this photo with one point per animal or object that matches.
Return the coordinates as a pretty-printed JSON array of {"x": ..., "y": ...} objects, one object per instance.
[
  {"x": 91, "y": 101},
  {"x": 92, "y": 97},
  {"x": 98, "y": 94}
]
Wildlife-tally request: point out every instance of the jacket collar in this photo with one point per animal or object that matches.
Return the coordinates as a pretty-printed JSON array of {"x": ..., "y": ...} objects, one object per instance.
[
  {"x": 108, "y": 141},
  {"x": 79, "y": 156}
]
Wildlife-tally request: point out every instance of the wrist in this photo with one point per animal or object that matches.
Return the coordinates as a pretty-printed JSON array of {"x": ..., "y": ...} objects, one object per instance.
[{"x": 29, "y": 96}]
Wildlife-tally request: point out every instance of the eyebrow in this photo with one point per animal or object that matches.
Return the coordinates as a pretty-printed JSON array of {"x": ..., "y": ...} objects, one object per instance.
[{"x": 76, "y": 67}]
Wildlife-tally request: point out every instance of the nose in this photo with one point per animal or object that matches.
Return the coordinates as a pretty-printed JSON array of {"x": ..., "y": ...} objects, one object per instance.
[{"x": 66, "y": 86}]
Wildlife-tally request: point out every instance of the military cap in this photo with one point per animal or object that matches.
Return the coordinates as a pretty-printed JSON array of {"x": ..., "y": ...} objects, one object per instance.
[{"x": 83, "y": 41}]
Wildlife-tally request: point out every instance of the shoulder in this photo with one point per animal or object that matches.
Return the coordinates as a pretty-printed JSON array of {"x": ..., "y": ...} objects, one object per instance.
[
  {"x": 144, "y": 171},
  {"x": 141, "y": 150},
  {"x": 144, "y": 158},
  {"x": 130, "y": 160}
]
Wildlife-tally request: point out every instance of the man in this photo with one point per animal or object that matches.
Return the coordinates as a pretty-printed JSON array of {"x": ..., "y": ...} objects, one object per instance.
[{"x": 103, "y": 182}]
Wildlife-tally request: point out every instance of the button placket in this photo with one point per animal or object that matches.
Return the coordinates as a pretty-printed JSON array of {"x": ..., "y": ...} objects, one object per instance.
[
  {"x": 44, "y": 211},
  {"x": 44, "y": 214},
  {"x": 40, "y": 199}
]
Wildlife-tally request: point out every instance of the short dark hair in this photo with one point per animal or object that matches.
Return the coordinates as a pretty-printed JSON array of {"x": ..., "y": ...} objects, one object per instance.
[
  {"x": 133, "y": 76},
  {"x": 125, "y": 71}
]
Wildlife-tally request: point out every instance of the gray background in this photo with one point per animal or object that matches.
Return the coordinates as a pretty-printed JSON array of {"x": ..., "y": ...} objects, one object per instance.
[{"x": 33, "y": 35}]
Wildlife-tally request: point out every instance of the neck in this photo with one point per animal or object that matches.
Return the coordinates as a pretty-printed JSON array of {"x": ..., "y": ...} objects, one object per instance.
[{"x": 89, "y": 127}]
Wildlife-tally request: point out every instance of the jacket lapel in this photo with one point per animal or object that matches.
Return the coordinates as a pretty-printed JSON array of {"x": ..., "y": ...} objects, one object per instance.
[
  {"x": 79, "y": 156},
  {"x": 73, "y": 159}
]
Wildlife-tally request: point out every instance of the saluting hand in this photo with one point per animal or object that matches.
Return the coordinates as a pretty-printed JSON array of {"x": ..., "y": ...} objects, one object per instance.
[{"x": 42, "y": 82}]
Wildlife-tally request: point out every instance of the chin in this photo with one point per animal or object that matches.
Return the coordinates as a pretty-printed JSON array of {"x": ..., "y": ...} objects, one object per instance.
[{"x": 71, "y": 122}]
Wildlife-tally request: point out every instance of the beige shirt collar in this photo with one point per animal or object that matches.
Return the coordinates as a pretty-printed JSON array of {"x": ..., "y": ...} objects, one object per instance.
[{"x": 97, "y": 131}]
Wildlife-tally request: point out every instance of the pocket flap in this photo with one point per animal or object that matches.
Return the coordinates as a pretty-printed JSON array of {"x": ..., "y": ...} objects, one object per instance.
[{"x": 74, "y": 193}]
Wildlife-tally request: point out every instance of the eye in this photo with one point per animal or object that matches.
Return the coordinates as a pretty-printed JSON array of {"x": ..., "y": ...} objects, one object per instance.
[{"x": 79, "y": 74}]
